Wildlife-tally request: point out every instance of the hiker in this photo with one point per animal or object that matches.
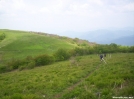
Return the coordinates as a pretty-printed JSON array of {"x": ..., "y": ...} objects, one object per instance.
[{"x": 101, "y": 57}]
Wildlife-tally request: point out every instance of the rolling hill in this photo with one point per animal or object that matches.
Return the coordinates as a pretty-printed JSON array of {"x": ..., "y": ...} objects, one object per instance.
[{"x": 19, "y": 44}]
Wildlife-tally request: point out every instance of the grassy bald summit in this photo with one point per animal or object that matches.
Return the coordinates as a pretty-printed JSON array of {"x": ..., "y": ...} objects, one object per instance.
[
  {"x": 19, "y": 44},
  {"x": 67, "y": 68}
]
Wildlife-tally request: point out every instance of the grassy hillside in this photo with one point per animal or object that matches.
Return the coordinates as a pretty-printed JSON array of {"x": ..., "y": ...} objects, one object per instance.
[
  {"x": 80, "y": 77},
  {"x": 87, "y": 79},
  {"x": 19, "y": 44}
]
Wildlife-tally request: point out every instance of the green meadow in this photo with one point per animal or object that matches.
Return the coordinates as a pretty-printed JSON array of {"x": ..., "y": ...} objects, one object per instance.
[
  {"x": 89, "y": 79},
  {"x": 76, "y": 74}
]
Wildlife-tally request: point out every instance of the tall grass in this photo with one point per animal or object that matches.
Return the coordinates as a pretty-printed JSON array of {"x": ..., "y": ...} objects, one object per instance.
[
  {"x": 116, "y": 78},
  {"x": 112, "y": 79},
  {"x": 48, "y": 80}
]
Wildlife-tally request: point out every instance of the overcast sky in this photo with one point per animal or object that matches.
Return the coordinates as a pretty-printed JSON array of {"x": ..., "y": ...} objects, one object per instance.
[{"x": 56, "y": 16}]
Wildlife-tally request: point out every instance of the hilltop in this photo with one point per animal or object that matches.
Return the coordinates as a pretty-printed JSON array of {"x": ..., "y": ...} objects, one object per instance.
[{"x": 19, "y": 44}]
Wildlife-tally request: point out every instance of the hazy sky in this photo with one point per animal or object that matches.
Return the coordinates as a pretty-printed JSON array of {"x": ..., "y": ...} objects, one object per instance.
[{"x": 56, "y": 16}]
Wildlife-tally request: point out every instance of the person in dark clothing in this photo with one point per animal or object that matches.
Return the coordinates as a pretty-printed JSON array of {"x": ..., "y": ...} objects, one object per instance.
[{"x": 101, "y": 57}]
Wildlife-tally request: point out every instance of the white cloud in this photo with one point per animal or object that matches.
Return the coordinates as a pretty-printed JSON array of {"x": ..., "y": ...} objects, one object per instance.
[
  {"x": 62, "y": 15},
  {"x": 96, "y": 2},
  {"x": 129, "y": 7},
  {"x": 18, "y": 4}
]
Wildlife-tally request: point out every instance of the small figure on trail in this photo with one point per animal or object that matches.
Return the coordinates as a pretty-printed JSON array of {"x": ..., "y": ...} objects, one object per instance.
[{"x": 102, "y": 59}]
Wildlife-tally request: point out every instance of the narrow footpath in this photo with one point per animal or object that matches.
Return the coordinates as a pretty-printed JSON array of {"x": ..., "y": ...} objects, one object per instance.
[{"x": 69, "y": 89}]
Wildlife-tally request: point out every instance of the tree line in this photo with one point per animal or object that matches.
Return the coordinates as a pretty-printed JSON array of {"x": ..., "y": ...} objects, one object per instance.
[{"x": 62, "y": 54}]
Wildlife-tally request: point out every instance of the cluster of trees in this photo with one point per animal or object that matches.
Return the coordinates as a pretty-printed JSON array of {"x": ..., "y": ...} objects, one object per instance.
[
  {"x": 61, "y": 55},
  {"x": 99, "y": 49},
  {"x": 2, "y": 36},
  {"x": 28, "y": 63},
  {"x": 113, "y": 48}
]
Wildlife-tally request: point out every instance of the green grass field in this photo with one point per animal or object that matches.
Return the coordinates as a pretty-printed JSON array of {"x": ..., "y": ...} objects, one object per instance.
[
  {"x": 20, "y": 44},
  {"x": 90, "y": 79}
]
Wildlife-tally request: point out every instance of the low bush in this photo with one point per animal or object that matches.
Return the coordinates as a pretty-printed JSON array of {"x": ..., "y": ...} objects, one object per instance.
[
  {"x": 61, "y": 54},
  {"x": 44, "y": 60},
  {"x": 31, "y": 65},
  {"x": 14, "y": 64},
  {"x": 3, "y": 69},
  {"x": 22, "y": 67},
  {"x": 27, "y": 63},
  {"x": 2, "y": 36}
]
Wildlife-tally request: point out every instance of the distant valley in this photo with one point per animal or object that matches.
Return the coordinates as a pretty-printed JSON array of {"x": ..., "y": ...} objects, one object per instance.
[{"x": 121, "y": 37}]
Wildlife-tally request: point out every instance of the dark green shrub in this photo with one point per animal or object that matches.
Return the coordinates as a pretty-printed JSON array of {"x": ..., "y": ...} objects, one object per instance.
[
  {"x": 3, "y": 69},
  {"x": 28, "y": 59},
  {"x": 28, "y": 62},
  {"x": 82, "y": 51},
  {"x": 79, "y": 51},
  {"x": 21, "y": 64},
  {"x": 43, "y": 60},
  {"x": 131, "y": 49},
  {"x": 14, "y": 64},
  {"x": 72, "y": 52},
  {"x": 61, "y": 54},
  {"x": 31, "y": 65},
  {"x": 22, "y": 67},
  {"x": 2, "y": 36}
]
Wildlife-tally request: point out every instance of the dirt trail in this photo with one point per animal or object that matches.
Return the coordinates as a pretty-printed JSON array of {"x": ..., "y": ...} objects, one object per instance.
[{"x": 69, "y": 89}]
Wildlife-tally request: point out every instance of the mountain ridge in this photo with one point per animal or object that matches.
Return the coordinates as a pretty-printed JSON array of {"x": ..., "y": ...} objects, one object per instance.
[{"x": 105, "y": 36}]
